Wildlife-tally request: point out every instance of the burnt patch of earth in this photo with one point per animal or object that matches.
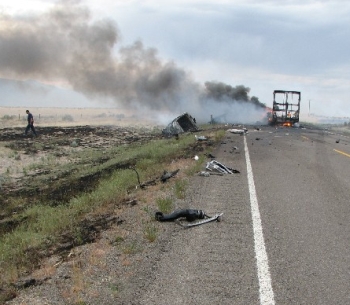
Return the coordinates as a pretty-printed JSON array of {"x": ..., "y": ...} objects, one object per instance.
[
  {"x": 87, "y": 231},
  {"x": 56, "y": 185},
  {"x": 197, "y": 147},
  {"x": 49, "y": 167}
]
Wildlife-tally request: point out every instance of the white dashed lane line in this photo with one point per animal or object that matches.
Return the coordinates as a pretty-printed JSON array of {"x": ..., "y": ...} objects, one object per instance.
[{"x": 265, "y": 286}]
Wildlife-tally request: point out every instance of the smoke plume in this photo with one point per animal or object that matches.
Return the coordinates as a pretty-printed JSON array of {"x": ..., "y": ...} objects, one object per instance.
[{"x": 66, "y": 45}]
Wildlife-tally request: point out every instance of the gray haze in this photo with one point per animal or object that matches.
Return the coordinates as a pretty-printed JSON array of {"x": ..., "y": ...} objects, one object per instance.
[
  {"x": 66, "y": 45},
  {"x": 263, "y": 44}
]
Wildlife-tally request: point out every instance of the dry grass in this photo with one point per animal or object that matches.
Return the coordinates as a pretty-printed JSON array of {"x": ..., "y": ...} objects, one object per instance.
[
  {"x": 16, "y": 117},
  {"x": 130, "y": 239}
]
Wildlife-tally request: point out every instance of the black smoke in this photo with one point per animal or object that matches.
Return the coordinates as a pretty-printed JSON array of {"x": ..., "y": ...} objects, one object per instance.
[
  {"x": 226, "y": 93},
  {"x": 67, "y": 45}
]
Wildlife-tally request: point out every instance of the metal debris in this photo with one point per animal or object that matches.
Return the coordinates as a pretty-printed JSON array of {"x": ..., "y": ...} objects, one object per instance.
[
  {"x": 190, "y": 215},
  {"x": 219, "y": 167},
  {"x": 216, "y": 217},
  {"x": 201, "y": 138},
  {"x": 238, "y": 131},
  {"x": 167, "y": 175},
  {"x": 207, "y": 174}
]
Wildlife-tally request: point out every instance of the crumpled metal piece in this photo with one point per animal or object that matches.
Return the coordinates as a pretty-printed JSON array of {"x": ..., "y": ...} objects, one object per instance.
[{"x": 214, "y": 165}]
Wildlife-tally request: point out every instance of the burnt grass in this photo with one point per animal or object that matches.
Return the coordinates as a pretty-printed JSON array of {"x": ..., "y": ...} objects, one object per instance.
[{"x": 56, "y": 185}]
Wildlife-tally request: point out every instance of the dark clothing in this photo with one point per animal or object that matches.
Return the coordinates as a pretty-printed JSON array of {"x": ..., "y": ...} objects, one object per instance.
[
  {"x": 30, "y": 124},
  {"x": 30, "y": 118}
]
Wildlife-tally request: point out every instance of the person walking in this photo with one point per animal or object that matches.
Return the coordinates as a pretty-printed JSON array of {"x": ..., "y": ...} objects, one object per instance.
[{"x": 30, "y": 123}]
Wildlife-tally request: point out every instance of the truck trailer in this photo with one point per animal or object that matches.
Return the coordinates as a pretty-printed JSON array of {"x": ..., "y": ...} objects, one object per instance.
[{"x": 286, "y": 108}]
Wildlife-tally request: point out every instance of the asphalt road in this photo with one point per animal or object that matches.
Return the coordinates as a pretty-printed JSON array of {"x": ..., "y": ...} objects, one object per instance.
[
  {"x": 303, "y": 187},
  {"x": 285, "y": 234}
]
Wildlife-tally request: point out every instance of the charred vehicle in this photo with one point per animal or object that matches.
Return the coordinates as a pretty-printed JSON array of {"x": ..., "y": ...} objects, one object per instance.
[
  {"x": 182, "y": 123},
  {"x": 286, "y": 108}
]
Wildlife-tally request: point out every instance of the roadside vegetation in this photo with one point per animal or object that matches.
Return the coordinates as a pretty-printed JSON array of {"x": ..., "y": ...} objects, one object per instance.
[{"x": 89, "y": 182}]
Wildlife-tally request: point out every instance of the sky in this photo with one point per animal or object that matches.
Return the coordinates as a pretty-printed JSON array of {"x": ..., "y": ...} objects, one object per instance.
[{"x": 161, "y": 55}]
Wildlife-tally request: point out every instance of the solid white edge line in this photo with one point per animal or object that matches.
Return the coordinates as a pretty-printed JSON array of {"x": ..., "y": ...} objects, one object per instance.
[{"x": 265, "y": 286}]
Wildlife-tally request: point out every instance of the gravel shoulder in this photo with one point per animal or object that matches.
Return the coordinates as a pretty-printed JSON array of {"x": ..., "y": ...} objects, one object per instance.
[
  {"x": 213, "y": 263},
  {"x": 209, "y": 264}
]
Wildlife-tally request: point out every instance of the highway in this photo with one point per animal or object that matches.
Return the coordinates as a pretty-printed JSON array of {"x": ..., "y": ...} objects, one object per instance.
[
  {"x": 303, "y": 186},
  {"x": 284, "y": 237},
  {"x": 285, "y": 234}
]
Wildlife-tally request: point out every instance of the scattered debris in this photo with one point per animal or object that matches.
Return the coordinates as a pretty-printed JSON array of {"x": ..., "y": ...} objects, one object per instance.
[
  {"x": 167, "y": 175},
  {"x": 181, "y": 124},
  {"x": 238, "y": 131},
  {"x": 143, "y": 185},
  {"x": 130, "y": 203},
  {"x": 210, "y": 156},
  {"x": 219, "y": 167},
  {"x": 201, "y": 138},
  {"x": 235, "y": 149},
  {"x": 204, "y": 174},
  {"x": 207, "y": 174},
  {"x": 216, "y": 217},
  {"x": 337, "y": 141},
  {"x": 138, "y": 177},
  {"x": 190, "y": 215}
]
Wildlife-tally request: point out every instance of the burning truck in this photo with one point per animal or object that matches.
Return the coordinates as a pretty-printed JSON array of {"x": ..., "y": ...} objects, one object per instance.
[{"x": 286, "y": 108}]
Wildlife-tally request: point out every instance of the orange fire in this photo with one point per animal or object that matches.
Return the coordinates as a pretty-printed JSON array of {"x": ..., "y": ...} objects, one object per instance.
[{"x": 287, "y": 124}]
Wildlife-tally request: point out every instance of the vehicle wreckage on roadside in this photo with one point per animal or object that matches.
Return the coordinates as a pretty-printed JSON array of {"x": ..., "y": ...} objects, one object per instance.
[{"x": 181, "y": 124}]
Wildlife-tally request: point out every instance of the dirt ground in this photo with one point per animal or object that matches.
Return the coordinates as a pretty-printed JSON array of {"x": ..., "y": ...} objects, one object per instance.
[
  {"x": 62, "y": 133},
  {"x": 121, "y": 266},
  {"x": 16, "y": 117},
  {"x": 58, "y": 128},
  {"x": 117, "y": 250}
]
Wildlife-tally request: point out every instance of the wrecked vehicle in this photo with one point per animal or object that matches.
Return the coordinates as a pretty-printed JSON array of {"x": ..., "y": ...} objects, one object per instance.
[
  {"x": 286, "y": 108},
  {"x": 181, "y": 124}
]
